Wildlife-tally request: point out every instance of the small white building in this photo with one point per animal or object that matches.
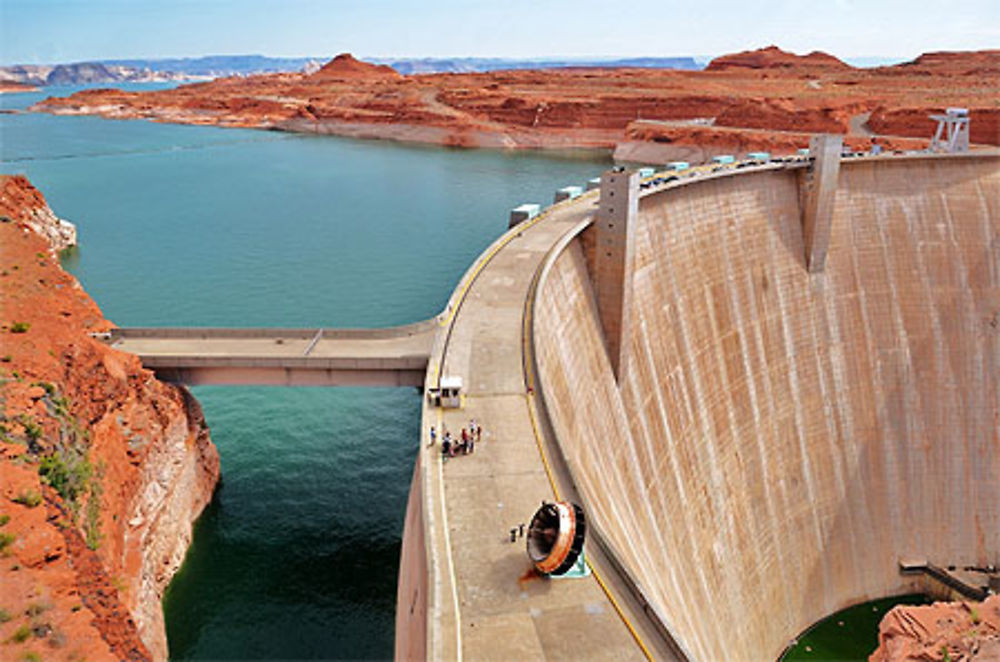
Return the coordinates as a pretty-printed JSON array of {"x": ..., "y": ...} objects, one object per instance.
[{"x": 448, "y": 393}]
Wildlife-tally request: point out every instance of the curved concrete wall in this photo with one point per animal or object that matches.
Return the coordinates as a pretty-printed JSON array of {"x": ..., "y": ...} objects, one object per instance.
[{"x": 781, "y": 439}]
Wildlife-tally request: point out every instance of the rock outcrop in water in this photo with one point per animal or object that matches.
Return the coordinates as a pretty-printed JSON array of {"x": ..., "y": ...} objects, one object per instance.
[
  {"x": 939, "y": 632},
  {"x": 767, "y": 90},
  {"x": 103, "y": 469},
  {"x": 26, "y": 205}
]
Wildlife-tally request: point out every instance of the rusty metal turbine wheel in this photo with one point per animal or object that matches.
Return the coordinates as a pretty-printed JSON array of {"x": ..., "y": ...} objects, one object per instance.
[{"x": 555, "y": 537}]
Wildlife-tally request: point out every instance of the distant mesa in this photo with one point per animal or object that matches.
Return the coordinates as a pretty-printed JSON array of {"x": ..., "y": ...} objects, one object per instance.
[
  {"x": 347, "y": 67},
  {"x": 81, "y": 73},
  {"x": 985, "y": 62},
  {"x": 773, "y": 57}
]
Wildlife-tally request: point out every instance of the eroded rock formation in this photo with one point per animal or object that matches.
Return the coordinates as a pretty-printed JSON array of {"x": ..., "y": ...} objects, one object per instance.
[
  {"x": 768, "y": 90},
  {"x": 26, "y": 205},
  {"x": 773, "y": 57},
  {"x": 346, "y": 67},
  {"x": 103, "y": 469},
  {"x": 939, "y": 632}
]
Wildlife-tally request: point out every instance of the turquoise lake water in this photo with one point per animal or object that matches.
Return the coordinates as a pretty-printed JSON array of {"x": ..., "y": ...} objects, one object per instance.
[{"x": 297, "y": 556}]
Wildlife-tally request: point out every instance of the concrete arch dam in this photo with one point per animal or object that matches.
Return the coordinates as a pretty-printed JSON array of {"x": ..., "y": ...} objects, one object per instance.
[{"x": 779, "y": 434}]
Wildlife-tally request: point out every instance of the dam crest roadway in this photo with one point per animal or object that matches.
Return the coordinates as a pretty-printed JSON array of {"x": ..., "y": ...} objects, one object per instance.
[{"x": 766, "y": 399}]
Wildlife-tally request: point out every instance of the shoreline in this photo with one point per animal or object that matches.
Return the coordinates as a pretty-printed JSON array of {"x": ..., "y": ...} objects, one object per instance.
[
  {"x": 696, "y": 144},
  {"x": 734, "y": 108}
]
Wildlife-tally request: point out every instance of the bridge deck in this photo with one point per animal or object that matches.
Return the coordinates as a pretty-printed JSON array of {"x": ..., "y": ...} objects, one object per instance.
[{"x": 305, "y": 357}]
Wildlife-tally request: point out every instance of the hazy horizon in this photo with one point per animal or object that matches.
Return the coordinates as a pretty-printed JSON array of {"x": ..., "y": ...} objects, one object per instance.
[
  {"x": 64, "y": 31},
  {"x": 858, "y": 61}
]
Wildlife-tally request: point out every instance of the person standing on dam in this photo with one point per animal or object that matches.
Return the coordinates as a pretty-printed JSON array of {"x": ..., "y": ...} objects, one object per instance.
[{"x": 433, "y": 436}]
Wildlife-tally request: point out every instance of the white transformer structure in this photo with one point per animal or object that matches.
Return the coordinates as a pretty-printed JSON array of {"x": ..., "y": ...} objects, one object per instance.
[{"x": 952, "y": 133}]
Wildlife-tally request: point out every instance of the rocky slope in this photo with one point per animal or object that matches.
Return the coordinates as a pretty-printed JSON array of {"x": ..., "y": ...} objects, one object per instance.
[
  {"x": 768, "y": 90},
  {"x": 941, "y": 632},
  {"x": 103, "y": 469}
]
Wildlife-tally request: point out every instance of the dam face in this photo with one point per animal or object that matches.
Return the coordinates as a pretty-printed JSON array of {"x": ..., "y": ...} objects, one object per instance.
[{"x": 779, "y": 440}]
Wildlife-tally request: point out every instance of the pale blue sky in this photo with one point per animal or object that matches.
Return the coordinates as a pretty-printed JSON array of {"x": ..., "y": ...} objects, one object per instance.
[{"x": 46, "y": 31}]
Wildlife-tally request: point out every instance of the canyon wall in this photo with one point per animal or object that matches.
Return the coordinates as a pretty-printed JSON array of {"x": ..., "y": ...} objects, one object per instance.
[
  {"x": 781, "y": 439},
  {"x": 103, "y": 469}
]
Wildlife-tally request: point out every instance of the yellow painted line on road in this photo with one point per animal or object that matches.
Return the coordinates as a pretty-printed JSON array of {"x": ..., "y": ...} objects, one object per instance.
[
  {"x": 467, "y": 283},
  {"x": 447, "y": 540},
  {"x": 530, "y": 379},
  {"x": 446, "y": 320},
  {"x": 529, "y": 400},
  {"x": 538, "y": 441},
  {"x": 621, "y": 613}
]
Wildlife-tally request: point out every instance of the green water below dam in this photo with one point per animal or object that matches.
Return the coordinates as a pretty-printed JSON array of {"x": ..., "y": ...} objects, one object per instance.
[{"x": 850, "y": 635}]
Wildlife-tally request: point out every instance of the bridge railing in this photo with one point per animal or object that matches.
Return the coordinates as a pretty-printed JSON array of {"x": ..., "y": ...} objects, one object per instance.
[{"x": 427, "y": 326}]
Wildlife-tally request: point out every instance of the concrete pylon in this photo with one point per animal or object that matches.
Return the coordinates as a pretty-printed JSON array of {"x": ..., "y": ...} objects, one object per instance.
[
  {"x": 613, "y": 261},
  {"x": 818, "y": 190}
]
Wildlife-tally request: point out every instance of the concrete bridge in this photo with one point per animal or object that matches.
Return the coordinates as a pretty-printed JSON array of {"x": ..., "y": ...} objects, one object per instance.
[{"x": 395, "y": 356}]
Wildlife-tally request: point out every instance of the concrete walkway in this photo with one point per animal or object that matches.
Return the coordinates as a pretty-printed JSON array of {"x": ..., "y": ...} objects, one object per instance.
[
  {"x": 395, "y": 356},
  {"x": 485, "y": 603}
]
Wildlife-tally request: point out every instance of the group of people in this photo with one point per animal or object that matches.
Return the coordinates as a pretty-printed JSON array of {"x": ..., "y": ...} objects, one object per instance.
[{"x": 464, "y": 444}]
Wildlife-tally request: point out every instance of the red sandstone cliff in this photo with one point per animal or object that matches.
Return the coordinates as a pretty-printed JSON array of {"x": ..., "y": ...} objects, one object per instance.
[
  {"x": 766, "y": 90},
  {"x": 103, "y": 469},
  {"x": 940, "y": 632}
]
